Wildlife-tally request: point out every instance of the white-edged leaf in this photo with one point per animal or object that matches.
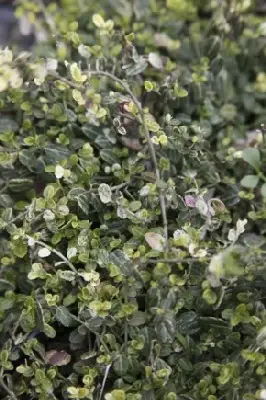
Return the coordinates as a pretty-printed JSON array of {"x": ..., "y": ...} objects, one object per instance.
[
  {"x": 105, "y": 193},
  {"x": 155, "y": 61},
  {"x": 59, "y": 172},
  {"x": 155, "y": 241},
  {"x": 44, "y": 252},
  {"x": 71, "y": 252}
]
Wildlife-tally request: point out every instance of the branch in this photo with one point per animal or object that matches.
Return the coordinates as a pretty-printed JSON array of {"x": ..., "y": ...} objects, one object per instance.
[
  {"x": 7, "y": 390},
  {"x": 107, "y": 369},
  {"x": 152, "y": 152},
  {"x": 48, "y": 19},
  {"x": 60, "y": 255},
  {"x": 149, "y": 141},
  {"x": 176, "y": 260}
]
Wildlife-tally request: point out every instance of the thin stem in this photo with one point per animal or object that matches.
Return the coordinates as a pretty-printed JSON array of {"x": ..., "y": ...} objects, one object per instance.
[
  {"x": 118, "y": 187},
  {"x": 98, "y": 336},
  {"x": 66, "y": 81},
  {"x": 176, "y": 260},
  {"x": 151, "y": 148},
  {"x": 4, "y": 188},
  {"x": 7, "y": 390},
  {"x": 60, "y": 255},
  {"x": 48, "y": 19},
  {"x": 106, "y": 373},
  {"x": 8, "y": 150},
  {"x": 14, "y": 331},
  {"x": 149, "y": 141},
  {"x": 128, "y": 116}
]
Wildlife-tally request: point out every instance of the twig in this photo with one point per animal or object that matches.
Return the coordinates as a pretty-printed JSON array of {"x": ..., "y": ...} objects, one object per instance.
[
  {"x": 146, "y": 132},
  {"x": 128, "y": 116},
  {"x": 16, "y": 327},
  {"x": 7, "y": 390},
  {"x": 8, "y": 150},
  {"x": 52, "y": 250},
  {"x": 149, "y": 141},
  {"x": 107, "y": 369},
  {"x": 48, "y": 19},
  {"x": 65, "y": 80},
  {"x": 4, "y": 188},
  {"x": 176, "y": 260},
  {"x": 118, "y": 187}
]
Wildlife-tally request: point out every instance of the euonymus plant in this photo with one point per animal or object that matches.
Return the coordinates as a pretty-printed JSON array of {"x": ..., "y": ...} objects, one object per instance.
[{"x": 133, "y": 202}]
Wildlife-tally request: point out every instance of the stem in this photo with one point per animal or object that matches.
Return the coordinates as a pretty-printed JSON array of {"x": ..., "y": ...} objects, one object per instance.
[
  {"x": 118, "y": 187},
  {"x": 107, "y": 369},
  {"x": 128, "y": 116},
  {"x": 13, "y": 333},
  {"x": 48, "y": 19},
  {"x": 146, "y": 132},
  {"x": 176, "y": 260},
  {"x": 149, "y": 141},
  {"x": 6, "y": 388},
  {"x": 4, "y": 188},
  {"x": 60, "y": 255}
]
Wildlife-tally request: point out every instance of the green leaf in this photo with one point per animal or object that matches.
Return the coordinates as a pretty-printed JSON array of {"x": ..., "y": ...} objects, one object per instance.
[
  {"x": 98, "y": 20},
  {"x": 121, "y": 260},
  {"x": 49, "y": 192},
  {"x": 120, "y": 365},
  {"x": 6, "y": 200},
  {"x": 108, "y": 156},
  {"x": 138, "y": 318},
  {"x": 252, "y": 156},
  {"x": 76, "y": 73},
  {"x": 214, "y": 323},
  {"x": 148, "y": 86},
  {"x": 165, "y": 328},
  {"x": 181, "y": 92},
  {"x": 250, "y": 181},
  {"x": 188, "y": 323},
  {"x": 7, "y": 215},
  {"x": 64, "y": 316},
  {"x": 229, "y": 112},
  {"x": 6, "y": 285},
  {"x": 263, "y": 190},
  {"x": 82, "y": 198},
  {"x": 8, "y": 125}
]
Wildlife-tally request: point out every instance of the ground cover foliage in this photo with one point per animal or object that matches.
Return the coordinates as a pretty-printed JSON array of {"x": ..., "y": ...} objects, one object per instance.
[{"x": 132, "y": 152}]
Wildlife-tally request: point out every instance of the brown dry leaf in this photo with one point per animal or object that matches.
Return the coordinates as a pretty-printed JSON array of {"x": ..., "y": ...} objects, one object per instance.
[
  {"x": 133, "y": 144},
  {"x": 57, "y": 357}
]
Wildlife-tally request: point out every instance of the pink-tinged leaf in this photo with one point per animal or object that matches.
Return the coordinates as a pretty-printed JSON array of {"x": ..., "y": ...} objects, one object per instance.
[
  {"x": 190, "y": 201},
  {"x": 57, "y": 357},
  {"x": 155, "y": 241}
]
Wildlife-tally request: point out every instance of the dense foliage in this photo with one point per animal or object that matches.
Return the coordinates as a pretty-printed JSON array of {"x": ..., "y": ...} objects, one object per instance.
[{"x": 133, "y": 202}]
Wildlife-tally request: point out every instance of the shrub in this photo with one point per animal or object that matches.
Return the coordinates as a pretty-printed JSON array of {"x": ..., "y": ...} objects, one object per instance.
[{"x": 133, "y": 203}]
